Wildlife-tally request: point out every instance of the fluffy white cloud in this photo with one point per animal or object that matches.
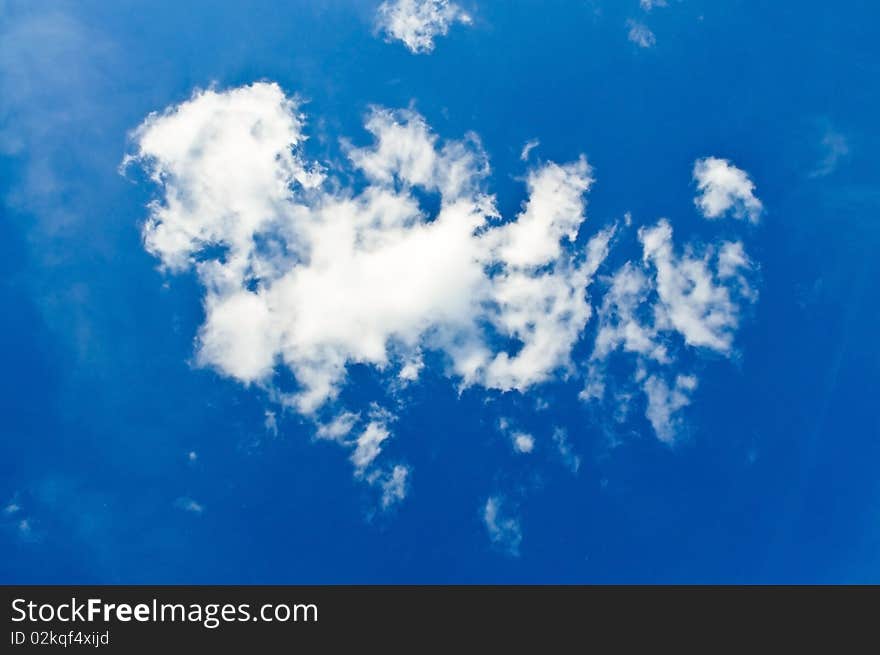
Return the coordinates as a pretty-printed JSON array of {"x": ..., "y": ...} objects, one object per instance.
[
  {"x": 338, "y": 428},
  {"x": 640, "y": 34},
  {"x": 300, "y": 273},
  {"x": 724, "y": 190},
  {"x": 418, "y": 22},
  {"x": 304, "y": 273},
  {"x": 522, "y": 442},
  {"x": 504, "y": 530}
]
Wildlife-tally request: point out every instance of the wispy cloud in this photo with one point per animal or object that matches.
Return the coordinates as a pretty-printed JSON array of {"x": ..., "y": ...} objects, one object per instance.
[
  {"x": 571, "y": 460},
  {"x": 504, "y": 530},
  {"x": 640, "y": 34},
  {"x": 835, "y": 148},
  {"x": 648, "y": 5},
  {"x": 527, "y": 149},
  {"x": 187, "y": 504}
]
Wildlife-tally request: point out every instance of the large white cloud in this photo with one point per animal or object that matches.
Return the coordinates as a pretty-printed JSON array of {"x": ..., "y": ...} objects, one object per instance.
[
  {"x": 303, "y": 272},
  {"x": 317, "y": 278},
  {"x": 416, "y": 23}
]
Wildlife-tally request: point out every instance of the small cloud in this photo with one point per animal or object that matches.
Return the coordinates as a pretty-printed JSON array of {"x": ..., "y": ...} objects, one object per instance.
[
  {"x": 569, "y": 458},
  {"x": 192, "y": 456},
  {"x": 527, "y": 149},
  {"x": 11, "y": 508},
  {"x": 416, "y": 23},
  {"x": 725, "y": 189},
  {"x": 369, "y": 445},
  {"x": 648, "y": 5},
  {"x": 522, "y": 442},
  {"x": 338, "y": 428},
  {"x": 504, "y": 531},
  {"x": 189, "y": 505},
  {"x": 394, "y": 486},
  {"x": 836, "y": 148},
  {"x": 664, "y": 402},
  {"x": 640, "y": 34},
  {"x": 411, "y": 370},
  {"x": 271, "y": 423}
]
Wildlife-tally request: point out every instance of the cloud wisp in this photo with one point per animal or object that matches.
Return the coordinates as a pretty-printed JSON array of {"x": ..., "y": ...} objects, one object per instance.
[{"x": 640, "y": 34}]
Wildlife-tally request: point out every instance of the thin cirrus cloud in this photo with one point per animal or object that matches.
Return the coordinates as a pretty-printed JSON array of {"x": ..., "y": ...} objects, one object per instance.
[
  {"x": 836, "y": 148},
  {"x": 416, "y": 23},
  {"x": 300, "y": 272}
]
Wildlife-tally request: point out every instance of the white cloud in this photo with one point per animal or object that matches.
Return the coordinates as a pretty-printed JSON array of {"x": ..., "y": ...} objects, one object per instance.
[
  {"x": 640, "y": 34},
  {"x": 302, "y": 274},
  {"x": 648, "y": 5},
  {"x": 271, "y": 423},
  {"x": 527, "y": 149},
  {"x": 189, "y": 505},
  {"x": 836, "y": 148},
  {"x": 690, "y": 300},
  {"x": 504, "y": 531},
  {"x": 338, "y": 428},
  {"x": 411, "y": 369},
  {"x": 369, "y": 445},
  {"x": 724, "y": 190},
  {"x": 418, "y": 22},
  {"x": 665, "y": 401},
  {"x": 695, "y": 296},
  {"x": 522, "y": 442},
  {"x": 394, "y": 485},
  {"x": 571, "y": 460}
]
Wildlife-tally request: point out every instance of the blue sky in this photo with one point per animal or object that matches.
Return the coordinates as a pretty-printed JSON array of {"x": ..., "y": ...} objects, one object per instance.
[{"x": 149, "y": 436}]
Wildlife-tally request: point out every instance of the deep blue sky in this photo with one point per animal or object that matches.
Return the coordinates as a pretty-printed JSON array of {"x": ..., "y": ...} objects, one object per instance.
[{"x": 777, "y": 480}]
